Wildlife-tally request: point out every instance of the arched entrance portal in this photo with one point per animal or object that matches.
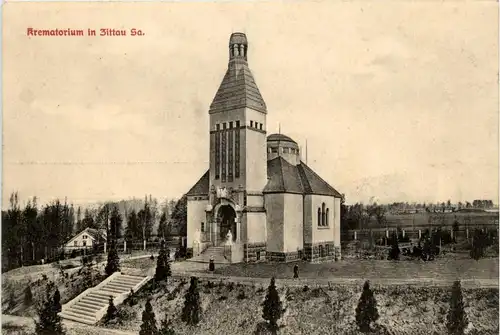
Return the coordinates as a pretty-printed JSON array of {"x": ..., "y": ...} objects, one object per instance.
[{"x": 227, "y": 220}]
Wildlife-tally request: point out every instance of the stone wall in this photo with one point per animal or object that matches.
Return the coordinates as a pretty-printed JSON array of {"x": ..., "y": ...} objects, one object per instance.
[
  {"x": 251, "y": 251},
  {"x": 321, "y": 251},
  {"x": 284, "y": 256}
]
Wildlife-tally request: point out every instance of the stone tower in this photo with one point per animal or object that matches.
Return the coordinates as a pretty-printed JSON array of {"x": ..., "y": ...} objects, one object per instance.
[{"x": 238, "y": 157}]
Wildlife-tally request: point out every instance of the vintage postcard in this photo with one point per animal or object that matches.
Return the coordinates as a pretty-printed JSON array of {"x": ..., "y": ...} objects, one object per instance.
[{"x": 255, "y": 167}]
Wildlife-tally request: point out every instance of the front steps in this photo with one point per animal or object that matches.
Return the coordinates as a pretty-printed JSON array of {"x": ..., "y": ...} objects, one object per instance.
[
  {"x": 90, "y": 306},
  {"x": 216, "y": 252}
]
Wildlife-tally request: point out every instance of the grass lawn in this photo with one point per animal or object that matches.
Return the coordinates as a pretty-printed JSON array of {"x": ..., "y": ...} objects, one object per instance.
[{"x": 440, "y": 269}]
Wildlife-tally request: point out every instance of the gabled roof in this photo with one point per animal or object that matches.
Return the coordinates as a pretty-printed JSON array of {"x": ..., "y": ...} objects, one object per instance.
[
  {"x": 314, "y": 184},
  {"x": 238, "y": 90},
  {"x": 284, "y": 177},
  {"x": 201, "y": 187},
  {"x": 94, "y": 234}
]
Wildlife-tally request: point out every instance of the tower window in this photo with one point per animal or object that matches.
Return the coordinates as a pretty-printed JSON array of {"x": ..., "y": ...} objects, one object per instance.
[
  {"x": 224, "y": 125},
  {"x": 251, "y": 124},
  {"x": 260, "y": 126},
  {"x": 237, "y": 124},
  {"x": 203, "y": 227},
  {"x": 286, "y": 150},
  {"x": 217, "y": 126},
  {"x": 230, "y": 124},
  {"x": 274, "y": 150}
]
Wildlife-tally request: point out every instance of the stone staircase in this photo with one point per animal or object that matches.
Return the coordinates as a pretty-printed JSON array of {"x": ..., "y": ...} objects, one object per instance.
[
  {"x": 91, "y": 305},
  {"x": 216, "y": 252}
]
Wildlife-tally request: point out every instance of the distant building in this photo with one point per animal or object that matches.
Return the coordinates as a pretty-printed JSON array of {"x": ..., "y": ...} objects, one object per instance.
[
  {"x": 257, "y": 188},
  {"x": 87, "y": 238}
]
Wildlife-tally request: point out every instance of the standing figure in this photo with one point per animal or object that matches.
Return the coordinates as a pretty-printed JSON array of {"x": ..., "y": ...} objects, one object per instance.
[
  {"x": 296, "y": 271},
  {"x": 211, "y": 265}
]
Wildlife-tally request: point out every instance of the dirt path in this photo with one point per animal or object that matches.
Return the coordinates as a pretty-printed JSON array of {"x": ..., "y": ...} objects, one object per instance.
[
  {"x": 71, "y": 327},
  {"x": 182, "y": 270}
]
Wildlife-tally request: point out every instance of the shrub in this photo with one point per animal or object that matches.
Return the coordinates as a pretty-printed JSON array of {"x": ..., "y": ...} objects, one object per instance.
[
  {"x": 113, "y": 264},
  {"x": 57, "y": 300},
  {"x": 272, "y": 306},
  {"x": 112, "y": 311},
  {"x": 148, "y": 326},
  {"x": 163, "y": 264},
  {"x": 49, "y": 321},
  {"x": 366, "y": 312},
  {"x": 456, "y": 320},
  {"x": 241, "y": 295},
  {"x": 166, "y": 327},
  {"x": 28, "y": 296},
  {"x": 192, "y": 310},
  {"x": 394, "y": 251}
]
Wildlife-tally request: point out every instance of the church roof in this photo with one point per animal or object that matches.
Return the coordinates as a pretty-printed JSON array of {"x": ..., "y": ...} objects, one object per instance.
[
  {"x": 280, "y": 137},
  {"x": 284, "y": 177},
  {"x": 202, "y": 186},
  {"x": 238, "y": 90},
  {"x": 314, "y": 184}
]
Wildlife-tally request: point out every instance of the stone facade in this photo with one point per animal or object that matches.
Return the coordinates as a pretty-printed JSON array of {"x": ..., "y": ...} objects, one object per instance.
[
  {"x": 254, "y": 252},
  {"x": 322, "y": 251}
]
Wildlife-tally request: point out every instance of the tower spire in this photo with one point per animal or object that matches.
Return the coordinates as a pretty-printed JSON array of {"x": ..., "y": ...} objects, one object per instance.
[{"x": 238, "y": 46}]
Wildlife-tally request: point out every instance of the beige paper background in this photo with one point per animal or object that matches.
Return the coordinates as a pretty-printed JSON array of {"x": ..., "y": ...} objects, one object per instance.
[{"x": 398, "y": 101}]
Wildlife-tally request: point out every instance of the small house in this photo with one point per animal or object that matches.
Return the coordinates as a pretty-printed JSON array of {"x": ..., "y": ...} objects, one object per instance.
[{"x": 87, "y": 238}]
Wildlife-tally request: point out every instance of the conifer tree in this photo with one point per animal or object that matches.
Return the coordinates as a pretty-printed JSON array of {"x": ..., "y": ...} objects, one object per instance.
[
  {"x": 192, "y": 309},
  {"x": 12, "y": 300},
  {"x": 49, "y": 322},
  {"x": 57, "y": 300},
  {"x": 272, "y": 307},
  {"x": 166, "y": 327},
  {"x": 366, "y": 312},
  {"x": 456, "y": 320},
  {"x": 148, "y": 326},
  {"x": 394, "y": 251},
  {"x": 163, "y": 264},
  {"x": 28, "y": 296},
  {"x": 113, "y": 264},
  {"x": 112, "y": 311}
]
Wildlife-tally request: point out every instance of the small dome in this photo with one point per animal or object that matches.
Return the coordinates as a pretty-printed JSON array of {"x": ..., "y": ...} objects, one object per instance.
[
  {"x": 238, "y": 38},
  {"x": 279, "y": 137}
]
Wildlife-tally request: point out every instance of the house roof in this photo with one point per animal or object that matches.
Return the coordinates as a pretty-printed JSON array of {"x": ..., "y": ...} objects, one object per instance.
[
  {"x": 279, "y": 137},
  {"x": 314, "y": 184},
  {"x": 94, "y": 234},
  {"x": 238, "y": 90},
  {"x": 284, "y": 177},
  {"x": 201, "y": 187}
]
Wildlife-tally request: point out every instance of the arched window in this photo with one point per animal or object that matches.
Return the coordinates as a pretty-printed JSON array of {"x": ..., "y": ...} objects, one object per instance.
[
  {"x": 323, "y": 221},
  {"x": 327, "y": 212},
  {"x": 319, "y": 216}
]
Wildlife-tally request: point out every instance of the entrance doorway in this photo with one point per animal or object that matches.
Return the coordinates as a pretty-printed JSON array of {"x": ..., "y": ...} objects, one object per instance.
[{"x": 226, "y": 219}]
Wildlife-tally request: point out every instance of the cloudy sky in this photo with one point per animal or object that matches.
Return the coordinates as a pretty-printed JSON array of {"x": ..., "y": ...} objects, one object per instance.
[{"x": 398, "y": 101}]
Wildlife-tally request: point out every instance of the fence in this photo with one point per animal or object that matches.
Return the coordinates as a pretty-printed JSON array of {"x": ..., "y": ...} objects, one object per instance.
[{"x": 376, "y": 234}]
